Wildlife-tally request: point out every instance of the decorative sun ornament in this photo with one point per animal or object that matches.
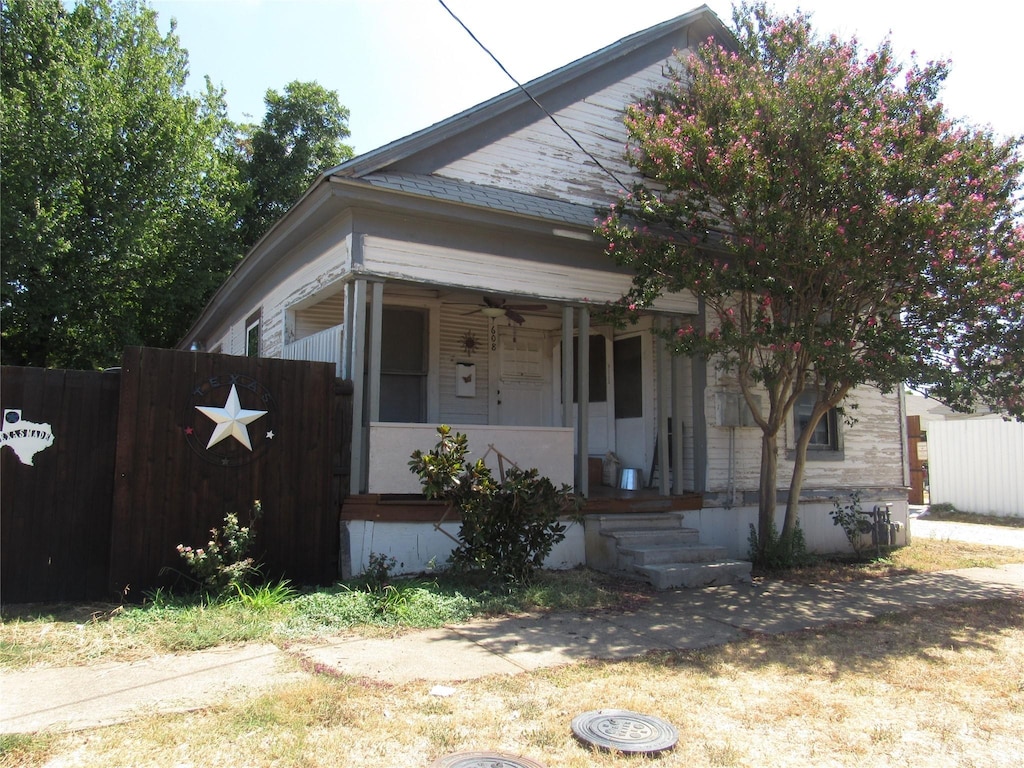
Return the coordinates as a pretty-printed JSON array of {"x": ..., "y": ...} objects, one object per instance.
[{"x": 469, "y": 342}]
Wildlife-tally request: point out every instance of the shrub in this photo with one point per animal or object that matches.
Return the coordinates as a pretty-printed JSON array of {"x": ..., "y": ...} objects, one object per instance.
[
  {"x": 224, "y": 565},
  {"x": 509, "y": 524},
  {"x": 377, "y": 575},
  {"x": 777, "y": 556},
  {"x": 853, "y": 520}
]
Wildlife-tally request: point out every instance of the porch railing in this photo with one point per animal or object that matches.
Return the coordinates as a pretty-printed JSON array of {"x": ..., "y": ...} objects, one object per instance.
[
  {"x": 548, "y": 449},
  {"x": 323, "y": 347}
]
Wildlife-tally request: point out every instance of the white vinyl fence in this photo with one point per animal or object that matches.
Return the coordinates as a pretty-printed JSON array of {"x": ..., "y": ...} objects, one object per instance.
[
  {"x": 321, "y": 347},
  {"x": 977, "y": 465}
]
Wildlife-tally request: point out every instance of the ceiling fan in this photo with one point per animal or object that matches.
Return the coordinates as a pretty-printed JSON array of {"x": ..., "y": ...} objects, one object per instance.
[{"x": 495, "y": 308}]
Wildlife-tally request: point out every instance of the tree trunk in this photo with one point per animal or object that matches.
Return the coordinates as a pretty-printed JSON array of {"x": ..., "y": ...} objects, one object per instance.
[
  {"x": 796, "y": 485},
  {"x": 766, "y": 499}
]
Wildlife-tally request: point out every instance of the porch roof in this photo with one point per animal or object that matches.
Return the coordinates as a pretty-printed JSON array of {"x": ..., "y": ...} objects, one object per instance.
[{"x": 493, "y": 198}]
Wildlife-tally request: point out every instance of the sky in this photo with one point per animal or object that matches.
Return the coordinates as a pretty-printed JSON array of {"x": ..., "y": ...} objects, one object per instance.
[{"x": 402, "y": 65}]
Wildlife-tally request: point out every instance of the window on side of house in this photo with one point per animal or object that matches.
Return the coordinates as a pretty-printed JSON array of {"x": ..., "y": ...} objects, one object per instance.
[
  {"x": 826, "y": 431},
  {"x": 252, "y": 335}
]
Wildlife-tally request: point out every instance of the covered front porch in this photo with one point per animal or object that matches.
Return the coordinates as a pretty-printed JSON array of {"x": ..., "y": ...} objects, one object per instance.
[{"x": 519, "y": 383}]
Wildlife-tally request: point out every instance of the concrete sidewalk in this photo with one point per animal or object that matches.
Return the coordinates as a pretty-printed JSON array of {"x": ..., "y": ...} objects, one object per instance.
[{"x": 83, "y": 697}]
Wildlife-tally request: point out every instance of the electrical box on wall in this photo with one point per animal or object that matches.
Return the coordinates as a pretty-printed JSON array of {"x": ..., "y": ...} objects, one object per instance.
[
  {"x": 465, "y": 380},
  {"x": 732, "y": 410}
]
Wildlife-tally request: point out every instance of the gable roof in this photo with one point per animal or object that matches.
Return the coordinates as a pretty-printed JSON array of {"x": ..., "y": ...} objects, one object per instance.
[
  {"x": 404, "y": 168},
  {"x": 701, "y": 18}
]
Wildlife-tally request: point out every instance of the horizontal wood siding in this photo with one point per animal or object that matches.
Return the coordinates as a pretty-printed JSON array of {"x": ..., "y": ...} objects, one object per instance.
[
  {"x": 872, "y": 449},
  {"x": 455, "y": 323},
  {"x": 510, "y": 274},
  {"x": 317, "y": 266},
  {"x": 540, "y": 159},
  {"x": 323, "y": 314}
]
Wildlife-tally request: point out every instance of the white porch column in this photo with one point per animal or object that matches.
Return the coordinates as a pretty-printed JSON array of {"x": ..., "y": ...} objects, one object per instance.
[
  {"x": 677, "y": 424},
  {"x": 664, "y": 384},
  {"x": 356, "y": 343},
  {"x": 583, "y": 398},
  {"x": 699, "y": 427},
  {"x": 376, "y": 323},
  {"x": 567, "y": 408}
]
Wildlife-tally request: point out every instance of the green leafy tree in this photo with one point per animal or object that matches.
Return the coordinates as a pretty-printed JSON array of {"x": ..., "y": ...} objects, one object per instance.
[
  {"x": 120, "y": 191},
  {"x": 301, "y": 136},
  {"x": 838, "y": 226}
]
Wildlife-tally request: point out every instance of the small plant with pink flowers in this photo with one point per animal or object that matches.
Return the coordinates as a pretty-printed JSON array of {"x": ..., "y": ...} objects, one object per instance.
[{"x": 225, "y": 564}]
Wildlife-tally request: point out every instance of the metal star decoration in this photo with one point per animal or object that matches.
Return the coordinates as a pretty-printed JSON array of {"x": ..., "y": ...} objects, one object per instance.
[{"x": 231, "y": 420}]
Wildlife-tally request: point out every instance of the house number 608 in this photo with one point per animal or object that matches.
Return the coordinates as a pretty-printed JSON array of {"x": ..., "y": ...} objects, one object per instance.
[{"x": 494, "y": 338}]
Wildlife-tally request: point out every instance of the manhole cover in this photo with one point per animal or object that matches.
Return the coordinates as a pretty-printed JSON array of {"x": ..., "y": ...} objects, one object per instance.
[
  {"x": 484, "y": 760},
  {"x": 624, "y": 731}
]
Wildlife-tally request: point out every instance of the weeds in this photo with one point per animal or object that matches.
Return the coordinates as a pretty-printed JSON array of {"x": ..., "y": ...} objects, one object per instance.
[
  {"x": 264, "y": 597},
  {"x": 853, "y": 520},
  {"x": 225, "y": 563},
  {"x": 775, "y": 556}
]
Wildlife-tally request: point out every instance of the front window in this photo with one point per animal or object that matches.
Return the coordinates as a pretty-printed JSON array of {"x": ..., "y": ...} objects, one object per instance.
[
  {"x": 629, "y": 377},
  {"x": 403, "y": 365}
]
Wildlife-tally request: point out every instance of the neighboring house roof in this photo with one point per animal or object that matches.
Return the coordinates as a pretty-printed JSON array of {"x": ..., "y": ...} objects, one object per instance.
[{"x": 929, "y": 409}]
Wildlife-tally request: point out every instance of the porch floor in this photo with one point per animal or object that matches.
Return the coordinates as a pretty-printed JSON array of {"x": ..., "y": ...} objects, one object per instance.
[{"x": 603, "y": 500}]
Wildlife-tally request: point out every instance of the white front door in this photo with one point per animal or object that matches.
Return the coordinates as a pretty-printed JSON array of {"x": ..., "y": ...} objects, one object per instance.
[{"x": 523, "y": 393}]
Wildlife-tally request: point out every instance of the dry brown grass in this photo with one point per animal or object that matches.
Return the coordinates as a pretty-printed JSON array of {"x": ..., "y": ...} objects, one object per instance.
[
  {"x": 922, "y": 556},
  {"x": 942, "y": 687},
  {"x": 65, "y": 635},
  {"x": 949, "y": 513}
]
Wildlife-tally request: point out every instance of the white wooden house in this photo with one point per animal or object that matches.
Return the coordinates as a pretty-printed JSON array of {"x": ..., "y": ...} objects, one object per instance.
[{"x": 450, "y": 275}]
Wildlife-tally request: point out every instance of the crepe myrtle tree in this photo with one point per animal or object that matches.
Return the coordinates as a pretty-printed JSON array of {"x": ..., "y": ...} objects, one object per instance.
[{"x": 840, "y": 228}]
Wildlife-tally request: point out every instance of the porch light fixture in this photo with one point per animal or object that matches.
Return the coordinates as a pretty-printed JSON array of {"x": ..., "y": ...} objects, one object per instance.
[{"x": 493, "y": 312}]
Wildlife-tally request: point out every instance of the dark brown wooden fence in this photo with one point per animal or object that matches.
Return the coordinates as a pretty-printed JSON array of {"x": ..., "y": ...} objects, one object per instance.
[
  {"x": 56, "y": 511},
  {"x": 161, "y": 477}
]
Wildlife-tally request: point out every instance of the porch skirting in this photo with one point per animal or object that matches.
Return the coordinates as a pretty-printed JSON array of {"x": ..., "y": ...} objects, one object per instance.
[{"x": 411, "y": 530}]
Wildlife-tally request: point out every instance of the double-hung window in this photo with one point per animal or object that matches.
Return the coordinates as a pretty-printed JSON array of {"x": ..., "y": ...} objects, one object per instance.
[{"x": 826, "y": 432}]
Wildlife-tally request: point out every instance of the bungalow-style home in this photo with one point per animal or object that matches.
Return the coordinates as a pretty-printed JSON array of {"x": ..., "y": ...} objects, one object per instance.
[{"x": 454, "y": 277}]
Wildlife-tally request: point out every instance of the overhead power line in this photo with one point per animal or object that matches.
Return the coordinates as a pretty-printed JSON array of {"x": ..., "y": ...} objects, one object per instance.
[{"x": 530, "y": 96}]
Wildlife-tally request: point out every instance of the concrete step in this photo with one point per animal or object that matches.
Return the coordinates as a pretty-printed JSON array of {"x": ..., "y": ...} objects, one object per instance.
[
  {"x": 637, "y": 520},
  {"x": 672, "y": 552},
  {"x": 696, "y": 575},
  {"x": 648, "y": 537}
]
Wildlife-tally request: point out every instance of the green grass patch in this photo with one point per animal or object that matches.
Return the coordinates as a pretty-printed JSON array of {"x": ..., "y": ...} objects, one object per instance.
[
  {"x": 24, "y": 748},
  {"x": 168, "y": 623}
]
